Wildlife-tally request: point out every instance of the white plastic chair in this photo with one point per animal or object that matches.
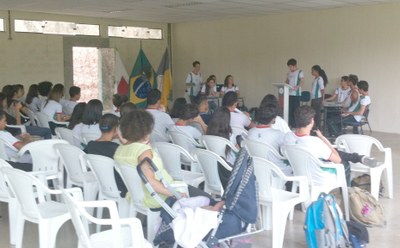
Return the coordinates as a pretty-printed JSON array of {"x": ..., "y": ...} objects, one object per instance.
[
  {"x": 157, "y": 136},
  {"x": 77, "y": 174},
  {"x": 103, "y": 169},
  {"x": 277, "y": 203},
  {"x": 362, "y": 144},
  {"x": 43, "y": 119},
  {"x": 218, "y": 144},
  {"x": 305, "y": 164},
  {"x": 208, "y": 161},
  {"x": 35, "y": 206},
  {"x": 68, "y": 135},
  {"x": 171, "y": 155},
  {"x": 134, "y": 184},
  {"x": 22, "y": 128},
  {"x": 7, "y": 196},
  {"x": 240, "y": 131},
  {"x": 123, "y": 232},
  {"x": 87, "y": 137},
  {"x": 45, "y": 158},
  {"x": 184, "y": 140},
  {"x": 33, "y": 120}
]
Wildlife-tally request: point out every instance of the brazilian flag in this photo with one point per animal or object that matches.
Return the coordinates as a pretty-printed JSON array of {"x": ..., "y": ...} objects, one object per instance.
[{"x": 141, "y": 80}]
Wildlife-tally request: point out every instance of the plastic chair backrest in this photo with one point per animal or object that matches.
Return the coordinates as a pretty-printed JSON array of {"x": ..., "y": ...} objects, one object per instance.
[
  {"x": 87, "y": 137},
  {"x": 26, "y": 188},
  {"x": 103, "y": 169},
  {"x": 171, "y": 155},
  {"x": 43, "y": 119},
  {"x": 305, "y": 164},
  {"x": 217, "y": 144},
  {"x": 3, "y": 153},
  {"x": 68, "y": 135},
  {"x": 209, "y": 163},
  {"x": 360, "y": 144},
  {"x": 4, "y": 190},
  {"x": 183, "y": 140},
  {"x": 240, "y": 131},
  {"x": 268, "y": 177},
  {"x": 156, "y": 136},
  {"x": 44, "y": 157},
  {"x": 71, "y": 158},
  {"x": 32, "y": 117},
  {"x": 132, "y": 181},
  {"x": 262, "y": 150}
]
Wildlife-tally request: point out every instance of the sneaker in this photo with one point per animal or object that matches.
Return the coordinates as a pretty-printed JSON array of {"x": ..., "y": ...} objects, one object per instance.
[{"x": 371, "y": 162}]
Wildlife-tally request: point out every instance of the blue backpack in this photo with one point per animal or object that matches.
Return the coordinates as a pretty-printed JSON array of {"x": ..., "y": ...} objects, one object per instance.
[{"x": 324, "y": 225}]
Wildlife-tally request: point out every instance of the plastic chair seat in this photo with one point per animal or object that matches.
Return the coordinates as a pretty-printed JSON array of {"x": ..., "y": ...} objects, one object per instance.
[
  {"x": 51, "y": 209},
  {"x": 104, "y": 238}
]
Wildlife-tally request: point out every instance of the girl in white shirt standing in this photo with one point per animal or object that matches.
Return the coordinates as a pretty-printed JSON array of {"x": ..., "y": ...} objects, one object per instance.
[{"x": 317, "y": 92}]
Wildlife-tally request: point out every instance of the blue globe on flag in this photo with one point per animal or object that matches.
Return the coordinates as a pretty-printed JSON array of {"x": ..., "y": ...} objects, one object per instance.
[{"x": 141, "y": 86}]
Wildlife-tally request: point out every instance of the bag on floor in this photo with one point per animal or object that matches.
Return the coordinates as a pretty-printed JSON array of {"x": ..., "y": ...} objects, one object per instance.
[
  {"x": 365, "y": 209},
  {"x": 364, "y": 182},
  {"x": 358, "y": 234},
  {"x": 324, "y": 225}
]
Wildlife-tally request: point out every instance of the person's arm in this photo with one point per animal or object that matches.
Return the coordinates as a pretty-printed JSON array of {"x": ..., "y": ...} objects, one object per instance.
[
  {"x": 203, "y": 125},
  {"x": 59, "y": 117},
  {"x": 25, "y": 139},
  {"x": 334, "y": 157},
  {"x": 359, "y": 112},
  {"x": 17, "y": 107},
  {"x": 322, "y": 94},
  {"x": 354, "y": 96},
  {"x": 332, "y": 98}
]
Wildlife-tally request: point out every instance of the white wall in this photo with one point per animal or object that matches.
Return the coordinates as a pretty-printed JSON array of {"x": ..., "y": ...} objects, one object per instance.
[{"x": 360, "y": 40}]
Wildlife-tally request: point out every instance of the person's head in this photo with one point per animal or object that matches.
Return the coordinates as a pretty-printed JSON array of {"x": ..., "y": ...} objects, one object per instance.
[
  {"x": 44, "y": 88},
  {"x": 196, "y": 66},
  {"x": 219, "y": 124},
  {"x": 93, "y": 112},
  {"x": 230, "y": 99},
  {"x": 344, "y": 81},
  {"x": 304, "y": 116},
  {"x": 77, "y": 115},
  {"x": 266, "y": 114},
  {"x": 153, "y": 97},
  {"x": 3, "y": 100},
  {"x": 363, "y": 87},
  {"x": 6, "y": 89},
  {"x": 177, "y": 107},
  {"x": 19, "y": 90},
  {"x": 119, "y": 99},
  {"x": 55, "y": 94},
  {"x": 269, "y": 100},
  {"x": 136, "y": 126},
  {"x": 189, "y": 112},
  {"x": 210, "y": 81},
  {"x": 108, "y": 124},
  {"x": 32, "y": 93},
  {"x": 59, "y": 88},
  {"x": 3, "y": 119},
  {"x": 214, "y": 77},
  {"x": 11, "y": 94},
  {"x": 317, "y": 71},
  {"x": 353, "y": 80},
  {"x": 292, "y": 64},
  {"x": 228, "y": 81},
  {"x": 126, "y": 108},
  {"x": 75, "y": 93},
  {"x": 202, "y": 103}
]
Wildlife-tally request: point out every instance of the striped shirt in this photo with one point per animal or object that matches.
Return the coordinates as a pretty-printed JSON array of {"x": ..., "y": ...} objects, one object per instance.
[{"x": 317, "y": 86}]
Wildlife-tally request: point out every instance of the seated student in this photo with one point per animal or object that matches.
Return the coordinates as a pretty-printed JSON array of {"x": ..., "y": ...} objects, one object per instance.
[
  {"x": 13, "y": 145},
  {"x": 77, "y": 115},
  {"x": 44, "y": 89},
  {"x": 280, "y": 124},
  {"x": 106, "y": 147},
  {"x": 177, "y": 108},
  {"x": 202, "y": 106},
  {"x": 161, "y": 119},
  {"x": 229, "y": 85},
  {"x": 342, "y": 93},
  {"x": 32, "y": 130},
  {"x": 238, "y": 118},
  {"x": 126, "y": 108},
  {"x": 320, "y": 146},
  {"x": 263, "y": 132},
  {"x": 90, "y": 119},
  {"x": 69, "y": 105},
  {"x": 52, "y": 107},
  {"x": 118, "y": 100},
  {"x": 32, "y": 98},
  {"x": 190, "y": 122},
  {"x": 136, "y": 128},
  {"x": 209, "y": 89}
]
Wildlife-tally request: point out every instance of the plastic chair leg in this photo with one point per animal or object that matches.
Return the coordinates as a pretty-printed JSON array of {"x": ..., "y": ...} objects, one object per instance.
[{"x": 12, "y": 216}]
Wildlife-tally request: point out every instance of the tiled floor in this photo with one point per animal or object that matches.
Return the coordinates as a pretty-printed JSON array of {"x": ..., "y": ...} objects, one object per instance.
[{"x": 380, "y": 237}]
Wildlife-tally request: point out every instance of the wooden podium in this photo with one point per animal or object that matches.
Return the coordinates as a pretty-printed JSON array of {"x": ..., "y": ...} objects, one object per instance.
[{"x": 283, "y": 99}]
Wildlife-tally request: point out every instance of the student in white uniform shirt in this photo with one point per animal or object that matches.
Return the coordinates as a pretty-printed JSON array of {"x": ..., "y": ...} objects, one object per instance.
[
  {"x": 295, "y": 78},
  {"x": 342, "y": 93},
  {"x": 238, "y": 118},
  {"x": 317, "y": 92},
  {"x": 229, "y": 85},
  {"x": 162, "y": 120},
  {"x": 44, "y": 89},
  {"x": 32, "y": 98},
  {"x": 263, "y": 132},
  {"x": 69, "y": 105},
  {"x": 279, "y": 124},
  {"x": 52, "y": 108},
  {"x": 188, "y": 119},
  {"x": 90, "y": 119},
  {"x": 194, "y": 81}
]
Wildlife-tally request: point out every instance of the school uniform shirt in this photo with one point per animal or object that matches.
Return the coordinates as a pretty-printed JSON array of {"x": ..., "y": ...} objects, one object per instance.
[
  {"x": 313, "y": 144},
  {"x": 225, "y": 90},
  {"x": 51, "y": 108},
  {"x": 364, "y": 101},
  {"x": 81, "y": 128},
  {"x": 196, "y": 80},
  {"x": 190, "y": 130},
  {"x": 162, "y": 121},
  {"x": 213, "y": 89},
  {"x": 317, "y": 86},
  {"x": 281, "y": 125},
  {"x": 68, "y": 106},
  {"x": 238, "y": 119},
  {"x": 11, "y": 150},
  {"x": 294, "y": 79},
  {"x": 35, "y": 105},
  {"x": 342, "y": 95},
  {"x": 274, "y": 138}
]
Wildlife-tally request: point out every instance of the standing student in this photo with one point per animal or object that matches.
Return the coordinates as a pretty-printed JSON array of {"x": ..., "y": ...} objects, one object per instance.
[
  {"x": 317, "y": 92},
  {"x": 194, "y": 81},
  {"x": 295, "y": 78}
]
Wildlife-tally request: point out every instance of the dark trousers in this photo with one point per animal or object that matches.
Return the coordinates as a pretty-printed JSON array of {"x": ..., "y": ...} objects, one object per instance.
[
  {"x": 346, "y": 158},
  {"x": 294, "y": 103},
  {"x": 316, "y": 104}
]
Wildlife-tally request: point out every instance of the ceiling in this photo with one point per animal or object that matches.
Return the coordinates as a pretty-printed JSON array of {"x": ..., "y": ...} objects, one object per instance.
[{"x": 173, "y": 11}]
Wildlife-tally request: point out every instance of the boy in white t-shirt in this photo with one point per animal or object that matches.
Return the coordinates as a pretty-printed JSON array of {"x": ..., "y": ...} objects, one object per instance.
[
  {"x": 238, "y": 118},
  {"x": 320, "y": 146},
  {"x": 69, "y": 105},
  {"x": 194, "y": 81},
  {"x": 295, "y": 78}
]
